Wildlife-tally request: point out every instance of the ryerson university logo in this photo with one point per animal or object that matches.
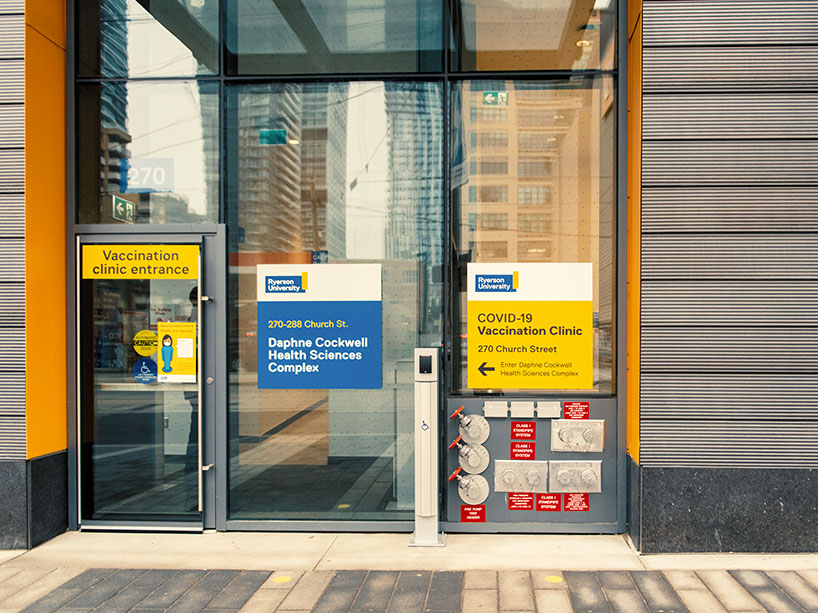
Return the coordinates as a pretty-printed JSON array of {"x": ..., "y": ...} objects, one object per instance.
[
  {"x": 497, "y": 283},
  {"x": 286, "y": 284}
]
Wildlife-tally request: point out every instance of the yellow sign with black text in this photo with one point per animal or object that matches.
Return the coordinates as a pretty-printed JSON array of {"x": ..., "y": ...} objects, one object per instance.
[
  {"x": 140, "y": 261},
  {"x": 530, "y": 326}
]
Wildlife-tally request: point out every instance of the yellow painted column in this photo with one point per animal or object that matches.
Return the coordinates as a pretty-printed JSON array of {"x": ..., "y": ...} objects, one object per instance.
[
  {"x": 45, "y": 62},
  {"x": 634, "y": 222}
]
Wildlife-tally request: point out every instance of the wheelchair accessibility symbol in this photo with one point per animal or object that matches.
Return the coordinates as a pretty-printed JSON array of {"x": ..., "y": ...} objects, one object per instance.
[{"x": 424, "y": 426}]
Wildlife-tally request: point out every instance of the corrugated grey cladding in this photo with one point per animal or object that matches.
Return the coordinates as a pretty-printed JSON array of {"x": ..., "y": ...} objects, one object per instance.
[
  {"x": 12, "y": 220},
  {"x": 730, "y": 234}
]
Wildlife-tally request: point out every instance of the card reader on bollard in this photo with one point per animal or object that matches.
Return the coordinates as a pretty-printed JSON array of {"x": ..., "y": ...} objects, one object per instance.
[{"x": 426, "y": 451}]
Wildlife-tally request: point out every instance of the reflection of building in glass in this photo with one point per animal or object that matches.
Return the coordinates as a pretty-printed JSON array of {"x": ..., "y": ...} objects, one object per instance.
[
  {"x": 114, "y": 95},
  {"x": 323, "y": 168},
  {"x": 415, "y": 207}
]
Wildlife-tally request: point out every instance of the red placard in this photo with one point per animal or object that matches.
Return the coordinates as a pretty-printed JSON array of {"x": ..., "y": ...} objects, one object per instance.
[
  {"x": 577, "y": 502},
  {"x": 518, "y": 501},
  {"x": 576, "y": 410},
  {"x": 521, "y": 451},
  {"x": 523, "y": 430},
  {"x": 549, "y": 502},
  {"x": 472, "y": 514}
]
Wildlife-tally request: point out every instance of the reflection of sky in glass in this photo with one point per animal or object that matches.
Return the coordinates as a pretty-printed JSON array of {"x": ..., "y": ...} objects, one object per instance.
[
  {"x": 367, "y": 171},
  {"x": 165, "y": 121}
]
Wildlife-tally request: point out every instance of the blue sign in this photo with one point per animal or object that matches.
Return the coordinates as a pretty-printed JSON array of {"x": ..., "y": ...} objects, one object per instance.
[
  {"x": 272, "y": 136},
  {"x": 319, "y": 345},
  {"x": 145, "y": 370},
  {"x": 145, "y": 175},
  {"x": 495, "y": 283}
]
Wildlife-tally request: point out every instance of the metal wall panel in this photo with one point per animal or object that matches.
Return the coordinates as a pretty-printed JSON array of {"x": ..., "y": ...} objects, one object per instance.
[
  {"x": 730, "y": 444},
  {"x": 730, "y": 116},
  {"x": 12, "y": 437},
  {"x": 729, "y": 396},
  {"x": 12, "y": 6},
  {"x": 12, "y": 215},
  {"x": 12, "y": 83},
  {"x": 12, "y": 260},
  {"x": 729, "y": 209},
  {"x": 12, "y": 349},
  {"x": 12, "y": 168},
  {"x": 720, "y": 69},
  {"x": 12, "y": 127},
  {"x": 713, "y": 303},
  {"x": 737, "y": 162},
  {"x": 729, "y": 22},
  {"x": 729, "y": 294},
  {"x": 12, "y": 37},
  {"x": 12, "y": 307},
  {"x": 729, "y": 256}
]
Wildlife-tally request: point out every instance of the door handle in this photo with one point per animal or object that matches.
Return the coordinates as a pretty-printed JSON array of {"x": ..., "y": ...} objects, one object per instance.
[{"x": 207, "y": 467}]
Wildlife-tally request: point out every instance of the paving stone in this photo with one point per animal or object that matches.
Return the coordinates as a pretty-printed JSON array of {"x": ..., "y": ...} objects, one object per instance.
[
  {"x": 131, "y": 595},
  {"x": 6, "y": 572},
  {"x": 40, "y": 588},
  {"x": 445, "y": 591},
  {"x": 657, "y": 592},
  {"x": 21, "y": 580},
  {"x": 774, "y": 600},
  {"x": 810, "y": 575},
  {"x": 307, "y": 591},
  {"x": 341, "y": 591},
  {"x": 53, "y": 601},
  {"x": 272, "y": 584},
  {"x": 684, "y": 580},
  {"x": 539, "y": 578},
  {"x": 552, "y": 601},
  {"x": 615, "y": 580},
  {"x": 627, "y": 600},
  {"x": 90, "y": 577},
  {"x": 95, "y": 595},
  {"x": 376, "y": 591},
  {"x": 199, "y": 595},
  {"x": 751, "y": 578},
  {"x": 586, "y": 593},
  {"x": 410, "y": 591},
  {"x": 701, "y": 600},
  {"x": 480, "y": 580},
  {"x": 263, "y": 601},
  {"x": 730, "y": 593},
  {"x": 480, "y": 600},
  {"x": 171, "y": 590},
  {"x": 239, "y": 590},
  {"x": 516, "y": 590},
  {"x": 797, "y": 588}
]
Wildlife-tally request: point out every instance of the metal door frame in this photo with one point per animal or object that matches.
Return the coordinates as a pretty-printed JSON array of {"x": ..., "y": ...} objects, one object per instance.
[{"x": 213, "y": 406}]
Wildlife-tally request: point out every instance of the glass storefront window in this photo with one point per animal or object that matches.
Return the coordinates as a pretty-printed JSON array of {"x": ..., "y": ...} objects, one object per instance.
[
  {"x": 557, "y": 203},
  {"x": 526, "y": 35},
  {"x": 149, "y": 152},
  {"x": 133, "y": 38},
  {"x": 332, "y": 36},
  {"x": 322, "y": 174}
]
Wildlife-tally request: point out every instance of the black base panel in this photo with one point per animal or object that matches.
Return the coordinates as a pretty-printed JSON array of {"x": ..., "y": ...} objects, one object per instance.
[
  {"x": 13, "y": 514},
  {"x": 634, "y": 502},
  {"x": 728, "y": 510}
]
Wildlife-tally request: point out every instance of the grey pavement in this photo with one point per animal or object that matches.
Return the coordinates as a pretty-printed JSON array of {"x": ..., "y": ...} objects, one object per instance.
[{"x": 292, "y": 572}]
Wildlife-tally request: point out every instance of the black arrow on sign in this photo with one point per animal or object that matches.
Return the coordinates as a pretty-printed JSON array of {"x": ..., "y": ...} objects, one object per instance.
[{"x": 483, "y": 368}]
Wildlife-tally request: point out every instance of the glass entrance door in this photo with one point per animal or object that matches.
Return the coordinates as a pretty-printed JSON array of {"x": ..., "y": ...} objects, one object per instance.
[{"x": 140, "y": 379}]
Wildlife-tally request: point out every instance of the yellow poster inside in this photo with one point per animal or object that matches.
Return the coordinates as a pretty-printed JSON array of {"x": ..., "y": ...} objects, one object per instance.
[
  {"x": 177, "y": 352},
  {"x": 140, "y": 261},
  {"x": 530, "y": 344}
]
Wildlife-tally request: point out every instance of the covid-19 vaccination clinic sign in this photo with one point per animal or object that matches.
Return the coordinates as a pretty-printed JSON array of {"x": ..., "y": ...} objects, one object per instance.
[
  {"x": 319, "y": 326},
  {"x": 530, "y": 326}
]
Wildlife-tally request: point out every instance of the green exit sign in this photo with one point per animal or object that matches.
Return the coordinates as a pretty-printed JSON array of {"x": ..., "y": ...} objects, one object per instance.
[
  {"x": 269, "y": 136},
  {"x": 495, "y": 98},
  {"x": 124, "y": 210}
]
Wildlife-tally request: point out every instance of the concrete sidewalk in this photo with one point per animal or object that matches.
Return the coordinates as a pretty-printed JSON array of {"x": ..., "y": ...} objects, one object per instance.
[{"x": 379, "y": 572}]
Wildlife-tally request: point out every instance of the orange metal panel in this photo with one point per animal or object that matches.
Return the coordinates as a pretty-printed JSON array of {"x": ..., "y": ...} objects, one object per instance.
[
  {"x": 45, "y": 241},
  {"x": 634, "y": 234},
  {"x": 48, "y": 18}
]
